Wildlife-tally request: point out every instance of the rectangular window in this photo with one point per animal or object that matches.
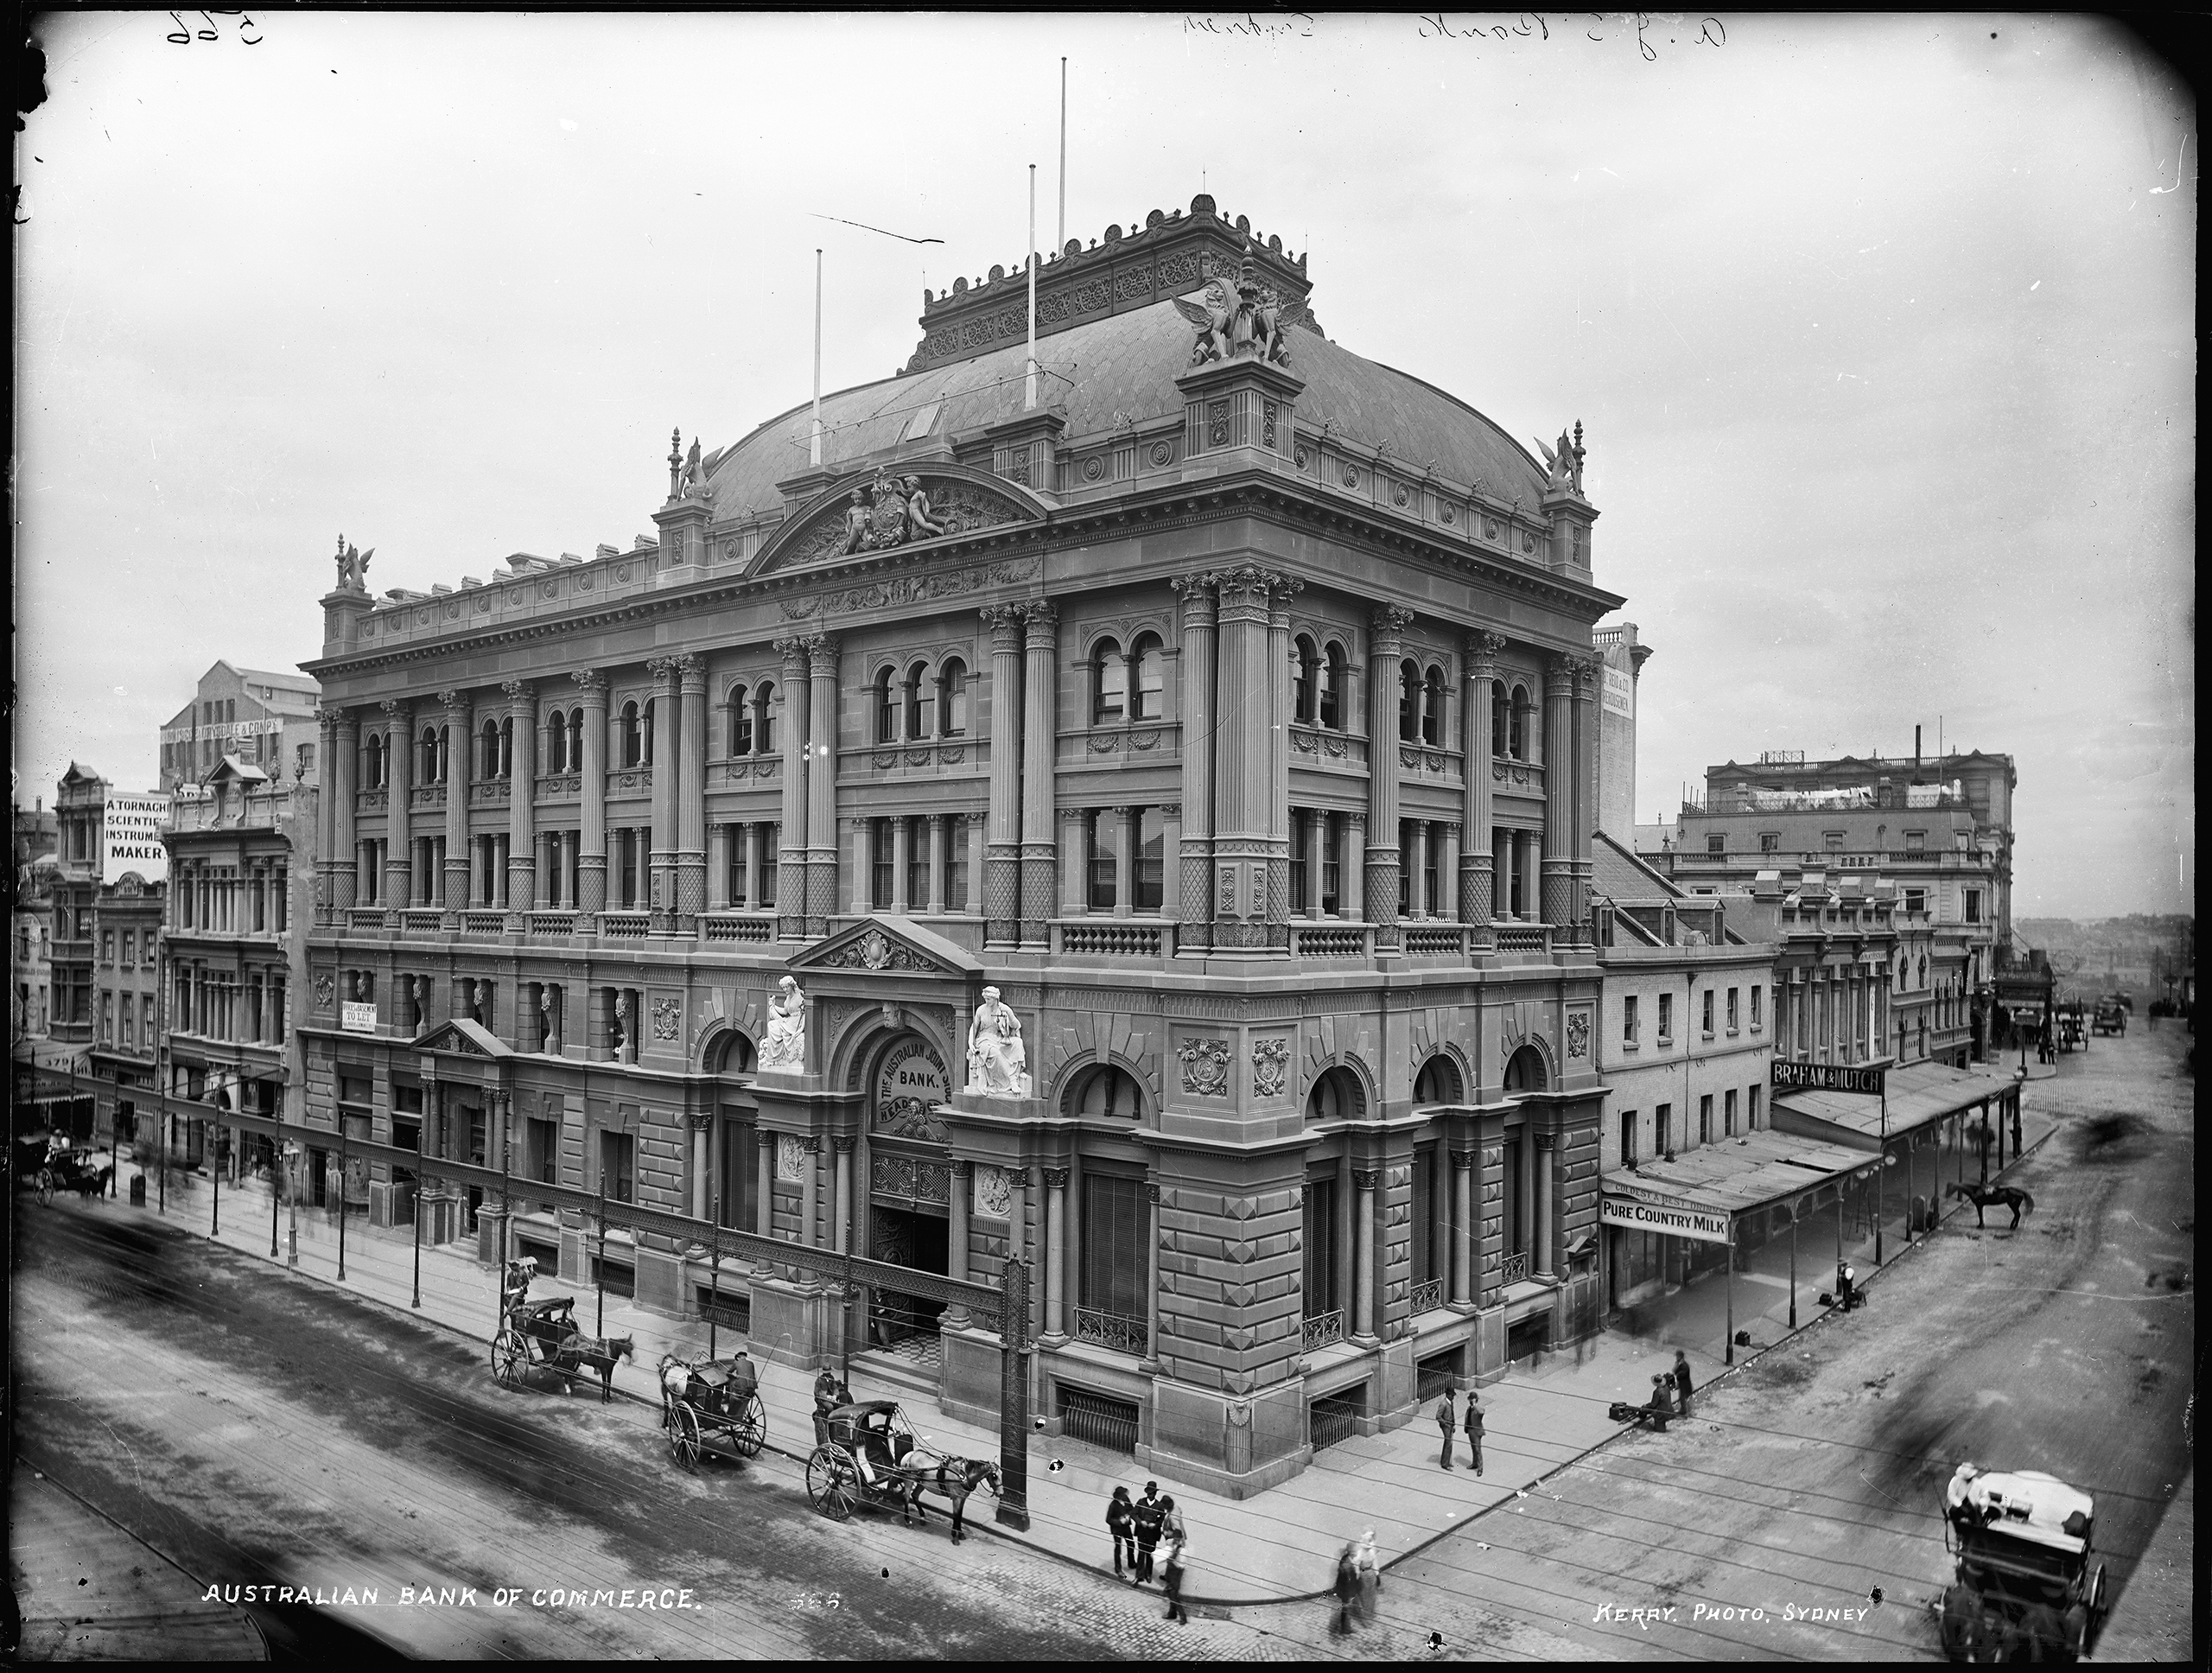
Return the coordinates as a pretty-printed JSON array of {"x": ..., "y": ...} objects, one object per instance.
[
  {"x": 1150, "y": 878},
  {"x": 1302, "y": 837},
  {"x": 1833, "y": 841},
  {"x": 1663, "y": 1121},
  {"x": 1769, "y": 841},
  {"x": 880, "y": 857},
  {"x": 1628, "y": 1138},
  {"x": 1099, "y": 860},
  {"x": 541, "y": 1149},
  {"x": 1753, "y": 1106},
  {"x": 1756, "y": 991},
  {"x": 1424, "y": 1214},
  {"x": 1731, "y": 1010},
  {"x": 1114, "y": 1270},
  {"x": 1716, "y": 843},
  {"x": 955, "y": 866},
  {"x": 107, "y": 946},
  {"x": 1728, "y": 1113},
  {"x": 1915, "y": 900},
  {"x": 918, "y": 866},
  {"x": 772, "y": 837},
  {"x": 1332, "y": 837},
  {"x": 1405, "y": 868},
  {"x": 734, "y": 877},
  {"x": 1708, "y": 1014},
  {"x": 1973, "y": 906},
  {"x": 1915, "y": 842},
  {"x": 1320, "y": 1247},
  {"x": 107, "y": 1016},
  {"x": 1666, "y": 1019},
  {"x": 1705, "y": 1119},
  {"x": 616, "y": 1153},
  {"x": 627, "y": 895},
  {"x": 1628, "y": 1020}
]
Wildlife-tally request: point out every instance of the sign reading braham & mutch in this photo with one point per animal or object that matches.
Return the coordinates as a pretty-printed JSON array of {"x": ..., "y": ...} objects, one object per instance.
[
  {"x": 1828, "y": 1078},
  {"x": 1701, "y": 1225}
]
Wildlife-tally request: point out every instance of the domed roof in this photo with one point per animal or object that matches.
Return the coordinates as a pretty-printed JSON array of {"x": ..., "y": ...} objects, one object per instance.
[{"x": 1110, "y": 373}]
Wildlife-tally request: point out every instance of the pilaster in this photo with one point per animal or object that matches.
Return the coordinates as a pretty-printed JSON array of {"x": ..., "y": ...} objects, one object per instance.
[{"x": 1386, "y": 644}]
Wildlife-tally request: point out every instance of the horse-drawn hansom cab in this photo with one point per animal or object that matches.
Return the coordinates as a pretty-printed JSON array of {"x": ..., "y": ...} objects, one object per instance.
[
  {"x": 874, "y": 1457},
  {"x": 2027, "y": 1588},
  {"x": 711, "y": 1399},
  {"x": 49, "y": 1161},
  {"x": 543, "y": 1335}
]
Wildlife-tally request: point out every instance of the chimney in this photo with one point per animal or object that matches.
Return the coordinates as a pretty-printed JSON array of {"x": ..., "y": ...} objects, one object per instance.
[{"x": 1916, "y": 754}]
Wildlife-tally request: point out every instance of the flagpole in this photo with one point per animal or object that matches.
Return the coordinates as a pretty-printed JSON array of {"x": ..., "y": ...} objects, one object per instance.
[
  {"x": 1060, "y": 241},
  {"x": 814, "y": 452},
  {"x": 1030, "y": 397}
]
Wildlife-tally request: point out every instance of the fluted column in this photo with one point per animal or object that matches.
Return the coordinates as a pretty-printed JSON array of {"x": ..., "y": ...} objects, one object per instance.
[
  {"x": 1586, "y": 812},
  {"x": 460, "y": 722},
  {"x": 691, "y": 794},
  {"x": 326, "y": 893},
  {"x": 591, "y": 797},
  {"x": 1039, "y": 744},
  {"x": 1189, "y": 894},
  {"x": 1386, "y": 645},
  {"x": 902, "y": 859},
  {"x": 956, "y": 1242},
  {"x": 1476, "y": 882},
  {"x": 1417, "y": 857},
  {"x": 1364, "y": 1181},
  {"x": 791, "y": 851},
  {"x": 521, "y": 804},
  {"x": 1056, "y": 1218},
  {"x": 1000, "y": 888},
  {"x": 821, "y": 783},
  {"x": 399, "y": 835},
  {"x": 344, "y": 862},
  {"x": 660, "y": 859},
  {"x": 1243, "y": 821},
  {"x": 1278, "y": 903},
  {"x": 1558, "y": 898},
  {"x": 1463, "y": 1227}
]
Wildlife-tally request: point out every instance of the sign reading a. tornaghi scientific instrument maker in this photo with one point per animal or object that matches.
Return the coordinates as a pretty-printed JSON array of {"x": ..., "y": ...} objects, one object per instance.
[{"x": 131, "y": 837}]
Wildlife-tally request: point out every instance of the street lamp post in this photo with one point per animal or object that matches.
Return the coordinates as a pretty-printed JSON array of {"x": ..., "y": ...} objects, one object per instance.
[{"x": 1881, "y": 1183}]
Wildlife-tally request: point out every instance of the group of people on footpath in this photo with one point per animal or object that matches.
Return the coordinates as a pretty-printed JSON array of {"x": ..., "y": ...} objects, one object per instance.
[
  {"x": 1140, "y": 1529},
  {"x": 1445, "y": 1421},
  {"x": 1359, "y": 1578}
]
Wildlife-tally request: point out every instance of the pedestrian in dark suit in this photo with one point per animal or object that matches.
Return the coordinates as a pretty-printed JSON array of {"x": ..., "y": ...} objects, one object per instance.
[
  {"x": 1447, "y": 1420},
  {"x": 1347, "y": 1591},
  {"x": 1178, "y": 1541},
  {"x": 1474, "y": 1424},
  {"x": 1683, "y": 1381},
  {"x": 1148, "y": 1516},
  {"x": 1121, "y": 1526}
]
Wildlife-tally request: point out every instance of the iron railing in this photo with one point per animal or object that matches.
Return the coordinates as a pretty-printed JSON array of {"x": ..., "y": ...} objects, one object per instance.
[
  {"x": 1323, "y": 1328},
  {"x": 1099, "y": 1418},
  {"x": 1332, "y": 1418},
  {"x": 1514, "y": 1268},
  {"x": 1429, "y": 1296},
  {"x": 1100, "y": 1328}
]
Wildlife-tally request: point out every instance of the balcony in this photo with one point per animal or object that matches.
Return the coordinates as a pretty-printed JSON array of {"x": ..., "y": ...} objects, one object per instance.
[
  {"x": 1331, "y": 940},
  {"x": 1118, "y": 1333},
  {"x": 1321, "y": 746},
  {"x": 1323, "y": 1329},
  {"x": 1523, "y": 944},
  {"x": 484, "y": 923},
  {"x": 1430, "y": 940},
  {"x": 365, "y": 918},
  {"x": 626, "y": 925},
  {"x": 1514, "y": 1268},
  {"x": 1517, "y": 778},
  {"x": 552, "y": 923},
  {"x": 1428, "y": 1297},
  {"x": 422, "y": 919},
  {"x": 737, "y": 927}
]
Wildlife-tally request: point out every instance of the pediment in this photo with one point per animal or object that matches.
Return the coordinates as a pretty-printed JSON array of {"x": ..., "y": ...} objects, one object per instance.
[
  {"x": 462, "y": 1038},
  {"x": 892, "y": 946},
  {"x": 867, "y": 512}
]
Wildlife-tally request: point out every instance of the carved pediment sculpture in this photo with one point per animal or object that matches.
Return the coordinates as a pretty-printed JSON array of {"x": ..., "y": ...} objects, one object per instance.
[{"x": 893, "y": 510}]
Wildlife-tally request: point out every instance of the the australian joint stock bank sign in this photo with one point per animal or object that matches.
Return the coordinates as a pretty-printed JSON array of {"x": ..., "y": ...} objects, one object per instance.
[{"x": 131, "y": 838}]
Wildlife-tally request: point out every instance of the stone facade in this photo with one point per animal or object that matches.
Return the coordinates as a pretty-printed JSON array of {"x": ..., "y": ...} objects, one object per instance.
[{"x": 1175, "y": 731}]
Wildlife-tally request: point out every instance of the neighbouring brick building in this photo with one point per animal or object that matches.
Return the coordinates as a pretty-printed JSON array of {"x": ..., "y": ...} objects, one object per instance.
[{"x": 1230, "y": 710}]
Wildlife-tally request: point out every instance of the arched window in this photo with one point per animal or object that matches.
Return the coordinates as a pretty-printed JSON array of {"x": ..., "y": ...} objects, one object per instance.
[
  {"x": 487, "y": 751},
  {"x": 1148, "y": 678},
  {"x": 1409, "y": 701},
  {"x": 506, "y": 748},
  {"x": 1432, "y": 708},
  {"x": 1500, "y": 718},
  {"x": 952, "y": 698},
  {"x": 557, "y": 742},
  {"x": 576, "y": 739},
  {"x": 373, "y": 762},
  {"x": 651, "y": 707},
  {"x": 1524, "y": 1071},
  {"x": 630, "y": 750},
  {"x": 886, "y": 707},
  {"x": 739, "y": 721},
  {"x": 921, "y": 702},
  {"x": 764, "y": 718},
  {"x": 734, "y": 1056},
  {"x": 1438, "y": 1082},
  {"x": 1517, "y": 738},
  {"x": 444, "y": 754},
  {"x": 1332, "y": 712},
  {"x": 1107, "y": 1092},
  {"x": 1109, "y": 684},
  {"x": 1336, "y": 1096},
  {"x": 1306, "y": 683}
]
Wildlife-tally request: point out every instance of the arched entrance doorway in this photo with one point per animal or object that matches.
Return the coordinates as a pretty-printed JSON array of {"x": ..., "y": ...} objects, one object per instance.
[{"x": 910, "y": 1189}]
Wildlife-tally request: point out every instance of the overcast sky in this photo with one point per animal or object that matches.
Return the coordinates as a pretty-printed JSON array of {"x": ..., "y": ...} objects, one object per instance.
[{"x": 1881, "y": 330}]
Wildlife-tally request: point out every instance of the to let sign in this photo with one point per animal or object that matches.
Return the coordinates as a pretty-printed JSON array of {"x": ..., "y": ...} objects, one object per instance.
[
  {"x": 1696, "y": 1224},
  {"x": 357, "y": 1016},
  {"x": 1827, "y": 1077}
]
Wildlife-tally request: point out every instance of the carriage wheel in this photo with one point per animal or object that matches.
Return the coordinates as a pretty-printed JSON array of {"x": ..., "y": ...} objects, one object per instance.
[
  {"x": 2097, "y": 1604},
  {"x": 46, "y": 1184},
  {"x": 750, "y": 1429},
  {"x": 683, "y": 1434},
  {"x": 833, "y": 1481},
  {"x": 507, "y": 1355}
]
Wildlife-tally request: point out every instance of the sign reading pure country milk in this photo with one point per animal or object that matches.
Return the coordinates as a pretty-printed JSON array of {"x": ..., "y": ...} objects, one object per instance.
[{"x": 131, "y": 837}]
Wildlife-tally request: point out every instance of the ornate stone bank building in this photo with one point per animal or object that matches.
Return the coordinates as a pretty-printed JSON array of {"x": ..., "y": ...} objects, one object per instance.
[{"x": 1229, "y": 710}]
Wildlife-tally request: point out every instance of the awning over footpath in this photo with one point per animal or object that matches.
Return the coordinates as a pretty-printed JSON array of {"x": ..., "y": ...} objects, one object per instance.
[
  {"x": 1919, "y": 1096},
  {"x": 1701, "y": 1190}
]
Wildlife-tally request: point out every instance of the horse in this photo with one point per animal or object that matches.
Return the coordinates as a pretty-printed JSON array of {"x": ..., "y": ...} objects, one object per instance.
[
  {"x": 954, "y": 1479},
  {"x": 92, "y": 1186},
  {"x": 1985, "y": 1196},
  {"x": 599, "y": 1354}
]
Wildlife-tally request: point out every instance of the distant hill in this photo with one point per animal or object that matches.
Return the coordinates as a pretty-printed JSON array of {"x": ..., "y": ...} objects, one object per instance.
[{"x": 2135, "y": 954}]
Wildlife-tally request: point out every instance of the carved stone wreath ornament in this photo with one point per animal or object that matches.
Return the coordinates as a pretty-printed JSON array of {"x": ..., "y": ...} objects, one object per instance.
[{"x": 1206, "y": 1066}]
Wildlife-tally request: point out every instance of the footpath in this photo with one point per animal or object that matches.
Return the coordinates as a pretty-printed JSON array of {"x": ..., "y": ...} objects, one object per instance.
[{"x": 1544, "y": 1414}]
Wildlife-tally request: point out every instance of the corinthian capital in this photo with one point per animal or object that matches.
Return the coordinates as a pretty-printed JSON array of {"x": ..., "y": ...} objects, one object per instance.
[
  {"x": 661, "y": 668},
  {"x": 394, "y": 711},
  {"x": 589, "y": 680},
  {"x": 455, "y": 702},
  {"x": 519, "y": 691},
  {"x": 1387, "y": 627},
  {"x": 792, "y": 649},
  {"x": 822, "y": 652},
  {"x": 1482, "y": 649}
]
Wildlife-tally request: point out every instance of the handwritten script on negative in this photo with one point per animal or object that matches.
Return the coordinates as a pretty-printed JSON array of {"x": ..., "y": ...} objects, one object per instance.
[
  {"x": 1649, "y": 32},
  {"x": 206, "y": 29}
]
